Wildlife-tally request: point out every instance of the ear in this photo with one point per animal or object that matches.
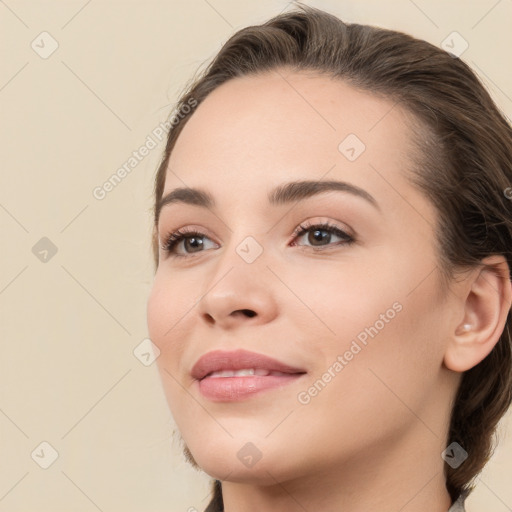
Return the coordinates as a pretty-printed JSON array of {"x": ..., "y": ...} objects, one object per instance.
[{"x": 487, "y": 301}]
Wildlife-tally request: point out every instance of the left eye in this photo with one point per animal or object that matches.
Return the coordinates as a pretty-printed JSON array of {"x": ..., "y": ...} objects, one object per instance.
[
  {"x": 316, "y": 234},
  {"x": 193, "y": 241}
]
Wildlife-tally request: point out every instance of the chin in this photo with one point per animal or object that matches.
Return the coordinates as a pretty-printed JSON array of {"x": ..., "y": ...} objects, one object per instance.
[{"x": 233, "y": 460}]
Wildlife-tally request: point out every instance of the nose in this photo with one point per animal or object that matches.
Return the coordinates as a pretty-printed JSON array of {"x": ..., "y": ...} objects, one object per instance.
[
  {"x": 245, "y": 293},
  {"x": 217, "y": 319}
]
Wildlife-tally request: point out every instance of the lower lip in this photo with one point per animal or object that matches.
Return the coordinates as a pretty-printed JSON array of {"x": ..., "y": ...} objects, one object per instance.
[{"x": 234, "y": 389}]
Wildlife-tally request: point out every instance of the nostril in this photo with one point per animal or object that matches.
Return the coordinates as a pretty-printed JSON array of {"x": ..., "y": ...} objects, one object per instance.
[{"x": 249, "y": 312}]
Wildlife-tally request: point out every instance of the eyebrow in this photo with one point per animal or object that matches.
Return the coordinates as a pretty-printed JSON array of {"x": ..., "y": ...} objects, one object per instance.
[{"x": 282, "y": 194}]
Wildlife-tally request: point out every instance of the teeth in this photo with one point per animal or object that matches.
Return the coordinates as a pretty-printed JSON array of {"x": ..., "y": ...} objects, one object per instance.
[
  {"x": 245, "y": 372},
  {"x": 235, "y": 373}
]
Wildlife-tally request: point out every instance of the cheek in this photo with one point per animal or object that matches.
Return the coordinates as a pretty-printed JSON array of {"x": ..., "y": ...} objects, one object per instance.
[
  {"x": 342, "y": 300},
  {"x": 387, "y": 330},
  {"x": 159, "y": 314},
  {"x": 168, "y": 309},
  {"x": 168, "y": 306},
  {"x": 385, "y": 359}
]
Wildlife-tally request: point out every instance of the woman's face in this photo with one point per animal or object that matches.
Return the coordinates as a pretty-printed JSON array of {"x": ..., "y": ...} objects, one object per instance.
[{"x": 359, "y": 313}]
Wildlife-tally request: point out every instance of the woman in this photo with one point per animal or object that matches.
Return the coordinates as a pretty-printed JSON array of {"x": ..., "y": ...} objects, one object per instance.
[{"x": 332, "y": 296}]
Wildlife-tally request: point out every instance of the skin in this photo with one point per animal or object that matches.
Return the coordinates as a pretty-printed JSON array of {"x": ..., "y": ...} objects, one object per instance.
[{"x": 372, "y": 438}]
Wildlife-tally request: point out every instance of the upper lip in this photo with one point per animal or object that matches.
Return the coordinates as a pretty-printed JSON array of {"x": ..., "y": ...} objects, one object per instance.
[{"x": 218, "y": 360}]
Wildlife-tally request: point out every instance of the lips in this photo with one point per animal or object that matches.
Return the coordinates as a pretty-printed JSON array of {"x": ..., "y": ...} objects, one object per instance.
[
  {"x": 239, "y": 375},
  {"x": 233, "y": 361}
]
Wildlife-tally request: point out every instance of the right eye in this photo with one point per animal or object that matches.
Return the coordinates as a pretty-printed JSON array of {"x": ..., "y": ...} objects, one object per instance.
[{"x": 191, "y": 239}]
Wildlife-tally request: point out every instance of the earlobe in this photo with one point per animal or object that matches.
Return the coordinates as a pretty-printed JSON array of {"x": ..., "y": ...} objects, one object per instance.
[{"x": 486, "y": 307}]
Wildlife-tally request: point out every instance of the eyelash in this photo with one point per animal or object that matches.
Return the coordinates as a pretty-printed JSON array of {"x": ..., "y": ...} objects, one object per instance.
[{"x": 177, "y": 236}]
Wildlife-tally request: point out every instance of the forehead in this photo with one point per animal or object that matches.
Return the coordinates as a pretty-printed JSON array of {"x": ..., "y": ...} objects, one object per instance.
[{"x": 255, "y": 132}]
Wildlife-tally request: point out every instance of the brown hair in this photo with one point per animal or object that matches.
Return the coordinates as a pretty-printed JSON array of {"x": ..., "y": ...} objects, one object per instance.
[{"x": 464, "y": 166}]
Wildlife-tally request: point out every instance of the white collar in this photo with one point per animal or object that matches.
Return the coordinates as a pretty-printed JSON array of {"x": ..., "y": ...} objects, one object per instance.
[{"x": 458, "y": 505}]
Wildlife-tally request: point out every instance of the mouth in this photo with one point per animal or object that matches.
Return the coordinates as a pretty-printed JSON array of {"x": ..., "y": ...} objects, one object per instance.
[
  {"x": 246, "y": 372},
  {"x": 236, "y": 375}
]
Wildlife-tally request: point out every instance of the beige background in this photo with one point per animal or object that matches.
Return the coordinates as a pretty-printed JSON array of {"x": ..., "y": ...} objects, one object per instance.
[{"x": 70, "y": 324}]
